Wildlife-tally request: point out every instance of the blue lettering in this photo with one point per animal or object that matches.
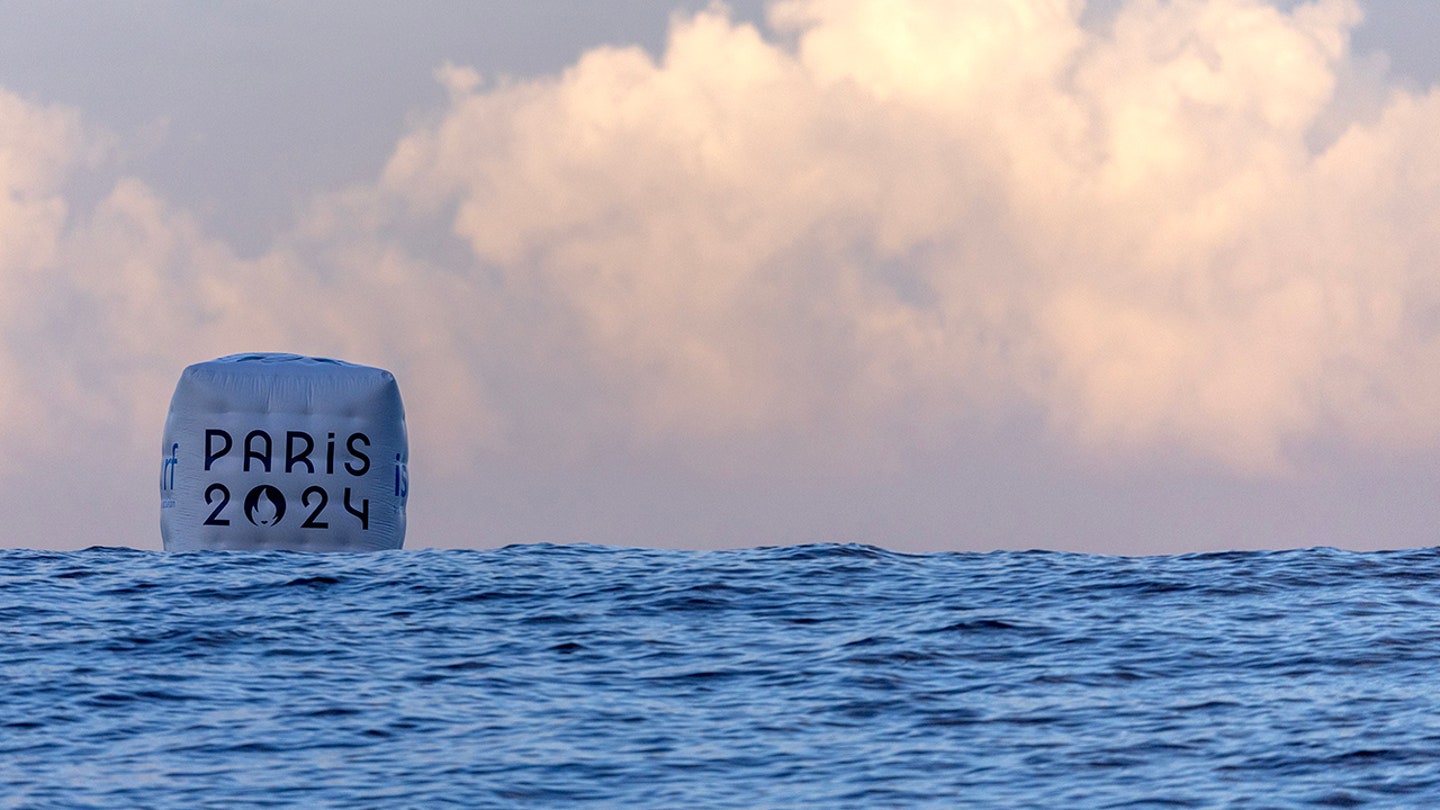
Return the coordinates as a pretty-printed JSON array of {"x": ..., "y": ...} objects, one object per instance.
[
  {"x": 211, "y": 454},
  {"x": 252, "y": 454}
]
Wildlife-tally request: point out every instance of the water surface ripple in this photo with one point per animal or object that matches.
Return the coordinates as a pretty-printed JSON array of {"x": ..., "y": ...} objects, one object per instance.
[{"x": 810, "y": 676}]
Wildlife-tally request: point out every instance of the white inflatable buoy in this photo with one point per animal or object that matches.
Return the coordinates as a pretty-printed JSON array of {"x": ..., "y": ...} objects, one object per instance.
[{"x": 280, "y": 451}]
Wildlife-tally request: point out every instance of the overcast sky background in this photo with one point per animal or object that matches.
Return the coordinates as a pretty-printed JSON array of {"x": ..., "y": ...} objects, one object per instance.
[{"x": 1132, "y": 277}]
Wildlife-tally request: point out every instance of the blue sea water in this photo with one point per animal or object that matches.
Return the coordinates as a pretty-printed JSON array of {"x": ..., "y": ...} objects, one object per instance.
[{"x": 811, "y": 676}]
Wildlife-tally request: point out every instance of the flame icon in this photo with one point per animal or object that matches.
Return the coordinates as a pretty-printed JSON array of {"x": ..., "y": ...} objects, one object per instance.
[{"x": 264, "y": 506}]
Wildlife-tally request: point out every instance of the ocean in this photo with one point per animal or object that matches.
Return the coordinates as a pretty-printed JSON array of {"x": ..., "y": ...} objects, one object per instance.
[{"x": 807, "y": 676}]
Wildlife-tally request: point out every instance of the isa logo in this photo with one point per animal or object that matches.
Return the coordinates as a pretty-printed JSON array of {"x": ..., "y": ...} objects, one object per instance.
[
  {"x": 402, "y": 478},
  {"x": 167, "y": 476}
]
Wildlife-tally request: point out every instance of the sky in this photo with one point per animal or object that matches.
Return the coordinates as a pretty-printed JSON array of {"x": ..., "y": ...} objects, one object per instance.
[{"x": 1127, "y": 277}]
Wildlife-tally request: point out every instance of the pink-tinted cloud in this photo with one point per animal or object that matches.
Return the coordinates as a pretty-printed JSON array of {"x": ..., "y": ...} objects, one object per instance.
[
  {"x": 965, "y": 205},
  {"x": 882, "y": 223}
]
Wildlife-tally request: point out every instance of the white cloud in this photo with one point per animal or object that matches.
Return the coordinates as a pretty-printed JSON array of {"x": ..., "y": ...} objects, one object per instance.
[
  {"x": 39, "y": 148},
  {"x": 895, "y": 214},
  {"x": 922, "y": 203}
]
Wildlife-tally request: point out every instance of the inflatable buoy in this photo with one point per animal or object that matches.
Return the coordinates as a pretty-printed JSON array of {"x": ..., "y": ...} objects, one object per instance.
[{"x": 280, "y": 451}]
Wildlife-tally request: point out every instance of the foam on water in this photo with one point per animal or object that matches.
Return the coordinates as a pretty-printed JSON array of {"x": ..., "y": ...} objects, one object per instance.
[{"x": 783, "y": 677}]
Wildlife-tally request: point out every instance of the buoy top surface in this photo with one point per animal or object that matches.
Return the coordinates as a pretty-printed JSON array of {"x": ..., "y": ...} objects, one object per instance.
[{"x": 286, "y": 383}]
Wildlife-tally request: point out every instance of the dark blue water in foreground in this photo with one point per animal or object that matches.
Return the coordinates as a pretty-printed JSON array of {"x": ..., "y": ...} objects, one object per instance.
[{"x": 817, "y": 676}]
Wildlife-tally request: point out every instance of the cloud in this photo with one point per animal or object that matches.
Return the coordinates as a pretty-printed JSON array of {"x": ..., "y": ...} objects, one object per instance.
[
  {"x": 948, "y": 209},
  {"x": 874, "y": 225},
  {"x": 39, "y": 148}
]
